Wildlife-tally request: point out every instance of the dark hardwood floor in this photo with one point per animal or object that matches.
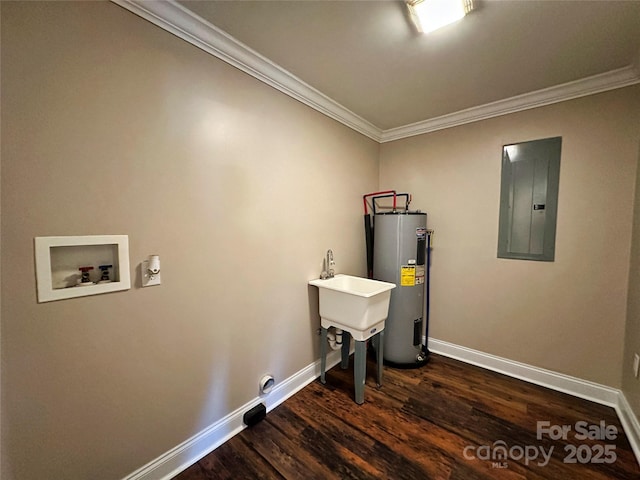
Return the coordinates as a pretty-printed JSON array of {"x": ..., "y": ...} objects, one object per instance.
[{"x": 446, "y": 420}]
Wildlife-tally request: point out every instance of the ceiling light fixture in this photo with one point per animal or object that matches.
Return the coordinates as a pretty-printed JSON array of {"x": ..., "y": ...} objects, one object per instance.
[{"x": 429, "y": 15}]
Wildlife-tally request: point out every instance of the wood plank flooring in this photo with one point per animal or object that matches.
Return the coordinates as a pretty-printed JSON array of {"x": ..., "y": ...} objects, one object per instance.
[{"x": 446, "y": 420}]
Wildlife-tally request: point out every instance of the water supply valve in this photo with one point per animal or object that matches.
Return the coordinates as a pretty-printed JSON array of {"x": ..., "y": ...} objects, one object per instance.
[
  {"x": 104, "y": 278},
  {"x": 85, "y": 280}
]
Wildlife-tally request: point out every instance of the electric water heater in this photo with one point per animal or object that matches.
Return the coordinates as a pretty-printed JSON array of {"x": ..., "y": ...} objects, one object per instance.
[{"x": 399, "y": 256}]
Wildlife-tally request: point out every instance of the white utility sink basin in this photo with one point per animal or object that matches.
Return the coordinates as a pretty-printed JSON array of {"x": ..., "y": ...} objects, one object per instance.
[{"x": 358, "y": 305}]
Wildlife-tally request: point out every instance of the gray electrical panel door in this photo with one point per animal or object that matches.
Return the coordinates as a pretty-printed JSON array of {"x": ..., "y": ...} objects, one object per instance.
[{"x": 529, "y": 199}]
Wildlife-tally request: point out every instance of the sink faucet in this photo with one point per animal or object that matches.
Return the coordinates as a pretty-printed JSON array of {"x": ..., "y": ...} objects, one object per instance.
[{"x": 328, "y": 264}]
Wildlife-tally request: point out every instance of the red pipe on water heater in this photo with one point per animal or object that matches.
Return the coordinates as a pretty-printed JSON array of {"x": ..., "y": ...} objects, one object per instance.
[{"x": 364, "y": 199}]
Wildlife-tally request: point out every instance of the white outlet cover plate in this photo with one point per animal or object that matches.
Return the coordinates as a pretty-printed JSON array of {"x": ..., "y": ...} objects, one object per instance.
[
  {"x": 147, "y": 281},
  {"x": 636, "y": 364}
]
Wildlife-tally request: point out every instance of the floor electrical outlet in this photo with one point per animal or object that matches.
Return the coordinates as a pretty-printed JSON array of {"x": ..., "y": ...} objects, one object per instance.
[{"x": 636, "y": 364}]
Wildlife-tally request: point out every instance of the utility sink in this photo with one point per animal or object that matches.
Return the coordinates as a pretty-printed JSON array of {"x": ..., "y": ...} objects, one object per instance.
[{"x": 358, "y": 305}]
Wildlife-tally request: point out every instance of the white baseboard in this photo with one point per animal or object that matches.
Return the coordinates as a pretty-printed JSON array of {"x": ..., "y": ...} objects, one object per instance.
[
  {"x": 630, "y": 424},
  {"x": 545, "y": 378},
  {"x": 577, "y": 387},
  {"x": 177, "y": 459},
  {"x": 190, "y": 451}
]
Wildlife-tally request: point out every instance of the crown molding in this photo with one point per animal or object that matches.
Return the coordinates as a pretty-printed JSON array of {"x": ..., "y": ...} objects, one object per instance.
[
  {"x": 178, "y": 20},
  {"x": 622, "y": 77}
]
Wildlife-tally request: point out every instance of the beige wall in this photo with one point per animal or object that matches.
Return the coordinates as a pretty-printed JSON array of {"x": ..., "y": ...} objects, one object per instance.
[
  {"x": 630, "y": 384},
  {"x": 569, "y": 315},
  {"x": 113, "y": 126}
]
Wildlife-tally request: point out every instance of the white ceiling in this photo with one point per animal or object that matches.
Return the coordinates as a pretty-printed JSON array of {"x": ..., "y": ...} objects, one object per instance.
[{"x": 366, "y": 57}]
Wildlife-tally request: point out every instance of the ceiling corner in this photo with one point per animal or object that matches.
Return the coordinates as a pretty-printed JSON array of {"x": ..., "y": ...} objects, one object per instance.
[{"x": 178, "y": 20}]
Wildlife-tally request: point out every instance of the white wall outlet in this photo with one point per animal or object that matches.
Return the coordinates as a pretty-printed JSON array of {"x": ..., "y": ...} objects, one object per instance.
[
  {"x": 636, "y": 364},
  {"x": 148, "y": 278}
]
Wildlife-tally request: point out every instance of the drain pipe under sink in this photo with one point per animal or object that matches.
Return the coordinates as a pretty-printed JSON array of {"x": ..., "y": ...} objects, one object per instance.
[{"x": 335, "y": 339}]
